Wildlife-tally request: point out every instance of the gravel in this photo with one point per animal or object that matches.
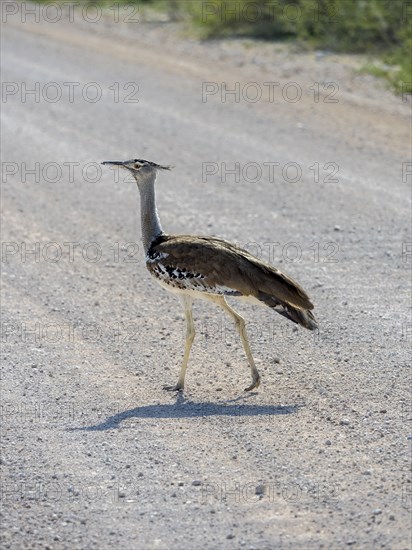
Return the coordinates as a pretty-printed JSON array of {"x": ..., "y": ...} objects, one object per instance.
[{"x": 94, "y": 453}]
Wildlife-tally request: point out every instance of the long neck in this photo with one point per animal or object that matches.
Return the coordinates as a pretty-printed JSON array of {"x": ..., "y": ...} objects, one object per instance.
[{"x": 150, "y": 221}]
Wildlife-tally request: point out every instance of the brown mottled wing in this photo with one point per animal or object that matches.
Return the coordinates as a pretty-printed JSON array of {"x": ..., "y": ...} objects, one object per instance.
[{"x": 215, "y": 263}]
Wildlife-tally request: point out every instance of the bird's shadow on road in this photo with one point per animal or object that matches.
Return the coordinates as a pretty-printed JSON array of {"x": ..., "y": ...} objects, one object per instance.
[{"x": 189, "y": 409}]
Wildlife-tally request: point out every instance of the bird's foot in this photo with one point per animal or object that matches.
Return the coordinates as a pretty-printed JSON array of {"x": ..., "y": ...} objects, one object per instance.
[
  {"x": 255, "y": 383},
  {"x": 177, "y": 387}
]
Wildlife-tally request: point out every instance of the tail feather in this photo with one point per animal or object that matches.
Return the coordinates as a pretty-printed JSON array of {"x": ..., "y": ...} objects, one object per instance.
[{"x": 302, "y": 317}]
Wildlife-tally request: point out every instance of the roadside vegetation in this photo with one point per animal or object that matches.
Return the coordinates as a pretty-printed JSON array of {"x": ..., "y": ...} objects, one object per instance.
[{"x": 379, "y": 28}]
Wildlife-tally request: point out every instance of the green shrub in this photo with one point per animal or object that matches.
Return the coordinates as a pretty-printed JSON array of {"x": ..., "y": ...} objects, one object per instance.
[{"x": 378, "y": 27}]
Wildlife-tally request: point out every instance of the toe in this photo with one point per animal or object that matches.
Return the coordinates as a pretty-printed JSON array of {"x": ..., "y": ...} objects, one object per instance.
[
  {"x": 255, "y": 384},
  {"x": 173, "y": 388}
]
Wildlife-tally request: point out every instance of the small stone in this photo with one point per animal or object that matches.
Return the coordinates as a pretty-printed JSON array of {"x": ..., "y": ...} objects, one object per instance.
[
  {"x": 337, "y": 228},
  {"x": 377, "y": 512},
  {"x": 344, "y": 422},
  {"x": 392, "y": 517},
  {"x": 230, "y": 536},
  {"x": 328, "y": 442},
  {"x": 259, "y": 489},
  {"x": 196, "y": 483}
]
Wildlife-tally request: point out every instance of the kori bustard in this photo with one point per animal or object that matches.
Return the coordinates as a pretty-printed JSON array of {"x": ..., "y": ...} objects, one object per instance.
[{"x": 211, "y": 268}]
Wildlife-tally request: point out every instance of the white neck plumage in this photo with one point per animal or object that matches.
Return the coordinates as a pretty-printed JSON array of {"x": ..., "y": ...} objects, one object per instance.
[{"x": 151, "y": 227}]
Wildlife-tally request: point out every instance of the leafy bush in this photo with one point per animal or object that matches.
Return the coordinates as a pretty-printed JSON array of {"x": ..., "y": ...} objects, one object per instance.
[
  {"x": 380, "y": 27},
  {"x": 353, "y": 24}
]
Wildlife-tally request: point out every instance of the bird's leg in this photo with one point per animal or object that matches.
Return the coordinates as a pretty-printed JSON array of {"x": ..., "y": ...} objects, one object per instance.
[
  {"x": 190, "y": 336},
  {"x": 241, "y": 326}
]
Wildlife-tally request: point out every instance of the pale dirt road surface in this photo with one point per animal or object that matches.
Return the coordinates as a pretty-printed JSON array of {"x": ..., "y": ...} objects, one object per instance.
[{"x": 95, "y": 455}]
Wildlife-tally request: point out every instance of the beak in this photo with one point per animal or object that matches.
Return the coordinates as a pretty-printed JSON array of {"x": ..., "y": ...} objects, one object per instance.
[{"x": 114, "y": 162}]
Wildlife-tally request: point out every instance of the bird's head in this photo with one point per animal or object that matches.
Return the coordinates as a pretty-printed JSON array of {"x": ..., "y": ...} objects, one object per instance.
[{"x": 143, "y": 171}]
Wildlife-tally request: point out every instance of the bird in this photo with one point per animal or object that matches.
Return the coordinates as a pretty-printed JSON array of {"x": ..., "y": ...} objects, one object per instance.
[{"x": 211, "y": 268}]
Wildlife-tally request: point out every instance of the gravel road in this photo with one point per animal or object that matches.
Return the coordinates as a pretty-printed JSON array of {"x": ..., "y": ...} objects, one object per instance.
[{"x": 95, "y": 454}]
